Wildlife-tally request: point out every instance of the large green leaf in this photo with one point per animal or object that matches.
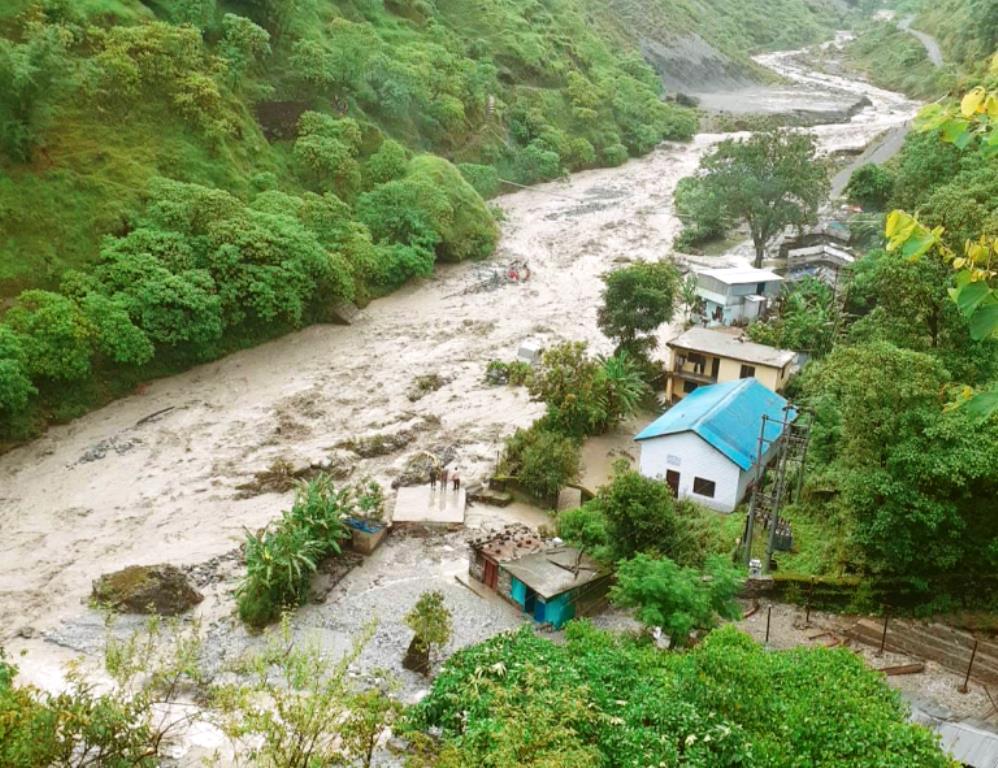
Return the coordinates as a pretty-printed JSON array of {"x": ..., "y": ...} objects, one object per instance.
[
  {"x": 970, "y": 295},
  {"x": 984, "y": 321},
  {"x": 983, "y": 404}
]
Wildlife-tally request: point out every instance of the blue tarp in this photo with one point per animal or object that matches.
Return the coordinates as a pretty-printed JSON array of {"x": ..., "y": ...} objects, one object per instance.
[
  {"x": 366, "y": 526},
  {"x": 728, "y": 416}
]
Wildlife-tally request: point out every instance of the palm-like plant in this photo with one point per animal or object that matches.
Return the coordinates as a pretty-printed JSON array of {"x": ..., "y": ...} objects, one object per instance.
[{"x": 622, "y": 385}]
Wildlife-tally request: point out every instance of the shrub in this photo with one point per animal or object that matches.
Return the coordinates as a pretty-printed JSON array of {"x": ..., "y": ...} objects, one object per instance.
[
  {"x": 516, "y": 373},
  {"x": 541, "y": 461},
  {"x": 522, "y": 699},
  {"x": 483, "y": 178},
  {"x": 870, "y": 186},
  {"x": 614, "y": 155},
  {"x": 388, "y": 163},
  {"x": 677, "y": 599},
  {"x": 586, "y": 528},
  {"x": 431, "y": 622},
  {"x": 281, "y": 558}
]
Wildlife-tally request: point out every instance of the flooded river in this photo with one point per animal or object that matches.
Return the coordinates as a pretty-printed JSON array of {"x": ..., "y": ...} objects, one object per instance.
[{"x": 115, "y": 487}]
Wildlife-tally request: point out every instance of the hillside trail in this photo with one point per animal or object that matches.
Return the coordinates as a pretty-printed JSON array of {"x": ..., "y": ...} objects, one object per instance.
[
  {"x": 930, "y": 43},
  {"x": 115, "y": 487}
]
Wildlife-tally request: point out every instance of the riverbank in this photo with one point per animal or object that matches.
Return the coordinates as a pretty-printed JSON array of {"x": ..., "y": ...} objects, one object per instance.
[{"x": 122, "y": 485}]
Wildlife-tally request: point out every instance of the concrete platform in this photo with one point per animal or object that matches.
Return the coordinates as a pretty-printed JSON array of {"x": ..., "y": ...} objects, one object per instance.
[{"x": 423, "y": 505}]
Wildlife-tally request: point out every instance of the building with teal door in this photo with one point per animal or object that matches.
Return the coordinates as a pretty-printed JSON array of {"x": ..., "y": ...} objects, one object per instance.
[{"x": 556, "y": 585}]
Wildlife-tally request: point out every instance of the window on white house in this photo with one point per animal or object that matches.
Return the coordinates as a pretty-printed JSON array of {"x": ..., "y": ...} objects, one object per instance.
[
  {"x": 703, "y": 487},
  {"x": 748, "y": 371}
]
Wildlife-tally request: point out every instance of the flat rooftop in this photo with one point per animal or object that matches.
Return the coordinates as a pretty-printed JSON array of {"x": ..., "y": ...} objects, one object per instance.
[
  {"x": 432, "y": 506},
  {"x": 555, "y": 571},
  {"x": 740, "y": 275},
  {"x": 721, "y": 344}
]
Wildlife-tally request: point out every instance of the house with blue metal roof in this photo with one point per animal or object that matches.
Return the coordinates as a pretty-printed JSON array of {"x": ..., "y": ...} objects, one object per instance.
[{"x": 706, "y": 445}]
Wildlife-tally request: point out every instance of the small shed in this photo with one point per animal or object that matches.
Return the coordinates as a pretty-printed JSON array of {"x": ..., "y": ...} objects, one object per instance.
[
  {"x": 556, "y": 585},
  {"x": 487, "y": 552}
]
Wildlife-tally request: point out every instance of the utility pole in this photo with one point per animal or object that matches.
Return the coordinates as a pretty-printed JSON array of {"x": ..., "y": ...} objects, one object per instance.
[{"x": 791, "y": 442}]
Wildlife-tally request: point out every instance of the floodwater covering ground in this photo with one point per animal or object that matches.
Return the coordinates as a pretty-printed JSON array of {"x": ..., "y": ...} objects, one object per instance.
[{"x": 115, "y": 487}]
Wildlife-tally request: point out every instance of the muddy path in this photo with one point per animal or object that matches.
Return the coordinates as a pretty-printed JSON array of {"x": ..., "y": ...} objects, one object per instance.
[{"x": 115, "y": 487}]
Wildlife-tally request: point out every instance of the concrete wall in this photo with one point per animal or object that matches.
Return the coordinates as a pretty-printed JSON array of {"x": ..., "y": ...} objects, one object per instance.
[
  {"x": 476, "y": 564},
  {"x": 692, "y": 456}
]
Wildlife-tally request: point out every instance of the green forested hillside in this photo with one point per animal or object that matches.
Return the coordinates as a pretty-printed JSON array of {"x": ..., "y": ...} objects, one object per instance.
[{"x": 179, "y": 177}]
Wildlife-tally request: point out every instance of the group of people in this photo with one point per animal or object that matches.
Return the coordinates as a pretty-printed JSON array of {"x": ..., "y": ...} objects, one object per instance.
[{"x": 443, "y": 475}]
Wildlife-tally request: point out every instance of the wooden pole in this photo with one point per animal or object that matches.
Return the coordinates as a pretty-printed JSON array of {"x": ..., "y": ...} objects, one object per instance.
[
  {"x": 966, "y": 680},
  {"x": 883, "y": 637},
  {"x": 769, "y": 616}
]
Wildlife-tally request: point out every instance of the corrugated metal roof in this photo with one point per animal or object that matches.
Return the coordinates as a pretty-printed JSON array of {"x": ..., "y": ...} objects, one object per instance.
[
  {"x": 726, "y": 345},
  {"x": 555, "y": 571},
  {"x": 967, "y": 742},
  {"x": 728, "y": 416}
]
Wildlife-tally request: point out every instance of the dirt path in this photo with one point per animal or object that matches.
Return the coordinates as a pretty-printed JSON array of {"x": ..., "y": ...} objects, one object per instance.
[{"x": 106, "y": 491}]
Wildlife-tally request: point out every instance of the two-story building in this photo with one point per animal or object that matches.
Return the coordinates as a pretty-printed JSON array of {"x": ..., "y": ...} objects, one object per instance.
[
  {"x": 703, "y": 356},
  {"x": 736, "y": 294}
]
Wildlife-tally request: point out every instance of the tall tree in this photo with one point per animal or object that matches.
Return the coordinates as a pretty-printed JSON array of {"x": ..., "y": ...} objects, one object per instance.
[
  {"x": 636, "y": 301},
  {"x": 771, "y": 180}
]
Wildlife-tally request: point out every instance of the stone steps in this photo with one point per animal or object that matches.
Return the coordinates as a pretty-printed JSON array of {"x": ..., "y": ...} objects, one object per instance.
[{"x": 949, "y": 647}]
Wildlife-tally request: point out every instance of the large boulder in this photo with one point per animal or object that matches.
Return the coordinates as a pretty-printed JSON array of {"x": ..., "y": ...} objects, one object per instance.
[{"x": 160, "y": 589}]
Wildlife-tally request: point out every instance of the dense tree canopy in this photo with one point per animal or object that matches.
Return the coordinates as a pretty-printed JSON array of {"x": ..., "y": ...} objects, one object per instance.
[{"x": 601, "y": 699}]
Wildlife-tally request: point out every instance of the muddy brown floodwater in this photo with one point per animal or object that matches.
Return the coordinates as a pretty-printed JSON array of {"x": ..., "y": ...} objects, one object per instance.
[{"x": 115, "y": 488}]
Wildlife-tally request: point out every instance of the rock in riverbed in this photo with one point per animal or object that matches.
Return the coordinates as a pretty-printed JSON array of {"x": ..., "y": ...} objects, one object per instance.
[{"x": 160, "y": 589}]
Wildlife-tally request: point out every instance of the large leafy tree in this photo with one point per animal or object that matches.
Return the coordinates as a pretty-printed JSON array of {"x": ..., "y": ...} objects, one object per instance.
[
  {"x": 771, "y": 180},
  {"x": 637, "y": 300}
]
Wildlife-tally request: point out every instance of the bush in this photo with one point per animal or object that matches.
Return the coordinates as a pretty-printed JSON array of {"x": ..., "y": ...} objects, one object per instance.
[
  {"x": 632, "y": 704},
  {"x": 388, "y": 163},
  {"x": 870, "y": 186},
  {"x": 677, "y": 599},
  {"x": 516, "y": 373},
  {"x": 587, "y": 529},
  {"x": 614, "y": 155},
  {"x": 281, "y": 559},
  {"x": 483, "y": 178},
  {"x": 541, "y": 461}
]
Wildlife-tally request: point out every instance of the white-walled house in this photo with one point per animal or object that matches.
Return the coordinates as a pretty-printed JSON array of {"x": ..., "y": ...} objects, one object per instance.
[
  {"x": 736, "y": 294},
  {"x": 705, "y": 446}
]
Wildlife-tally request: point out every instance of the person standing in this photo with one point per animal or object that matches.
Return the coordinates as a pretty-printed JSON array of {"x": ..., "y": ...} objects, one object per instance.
[
  {"x": 443, "y": 478},
  {"x": 457, "y": 481},
  {"x": 433, "y": 477}
]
